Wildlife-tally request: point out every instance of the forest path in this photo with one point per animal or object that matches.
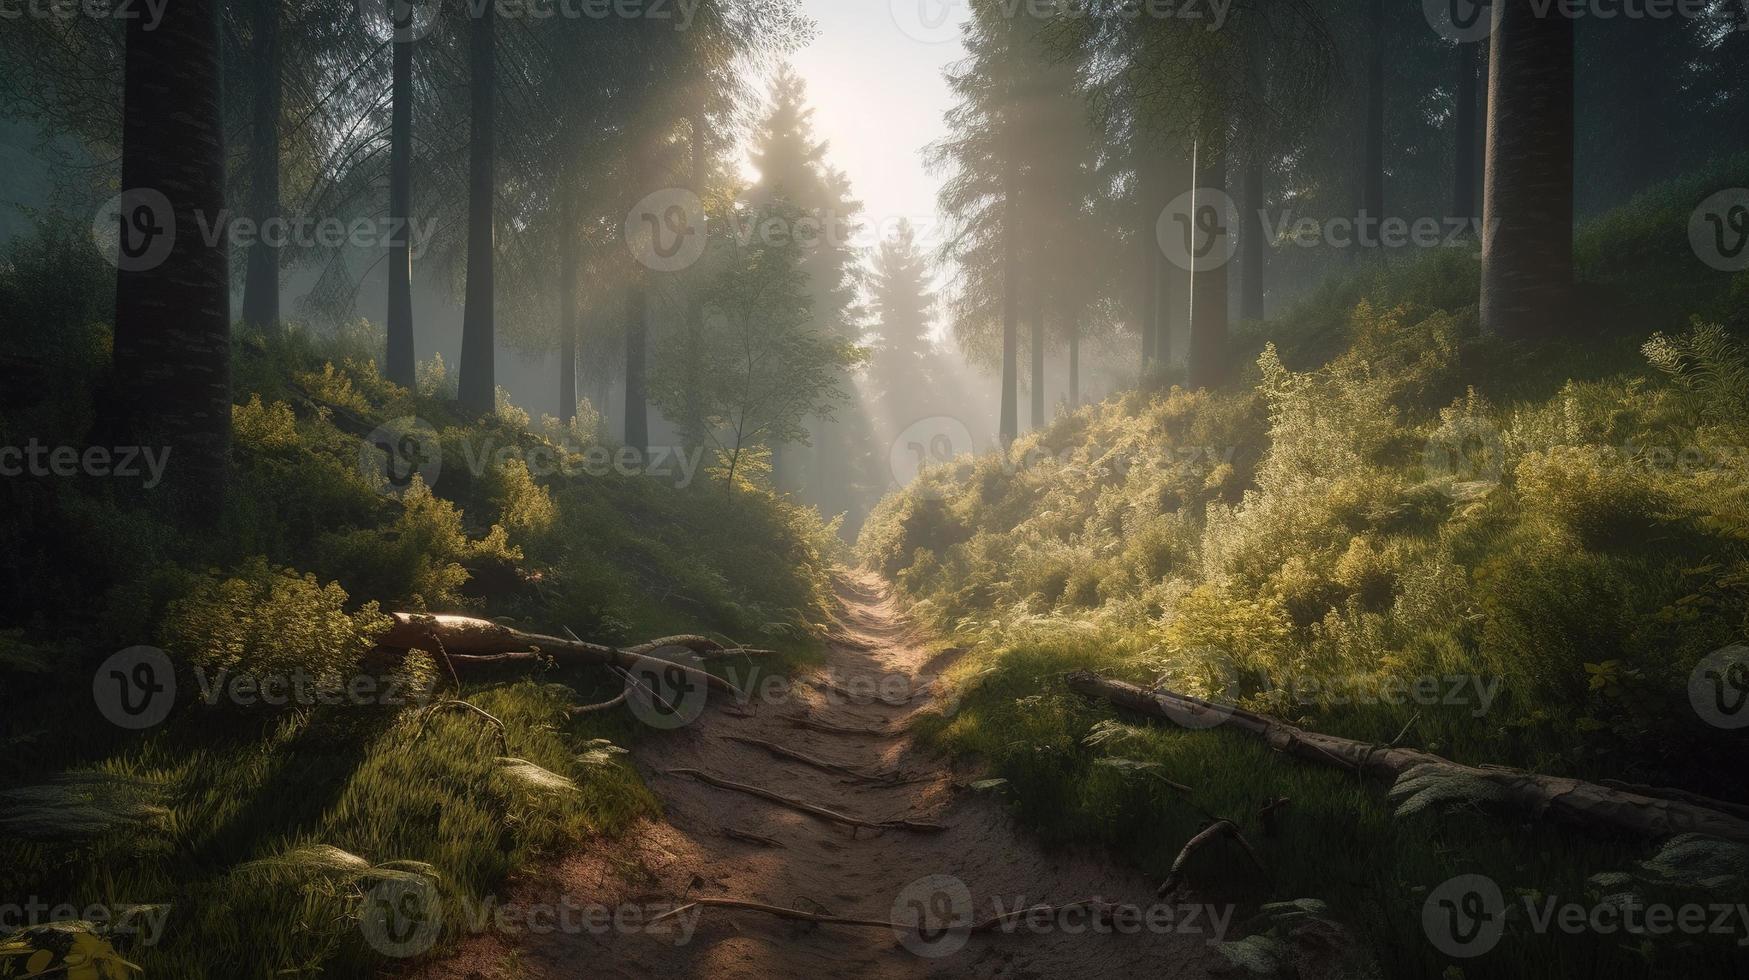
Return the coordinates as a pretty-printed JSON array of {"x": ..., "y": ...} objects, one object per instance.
[{"x": 982, "y": 865}]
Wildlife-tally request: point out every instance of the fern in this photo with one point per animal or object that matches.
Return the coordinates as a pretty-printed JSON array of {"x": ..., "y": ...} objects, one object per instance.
[{"x": 1708, "y": 363}]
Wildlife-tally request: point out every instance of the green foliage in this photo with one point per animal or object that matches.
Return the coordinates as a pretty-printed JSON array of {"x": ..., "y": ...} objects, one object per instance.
[
  {"x": 267, "y": 621},
  {"x": 262, "y": 830},
  {"x": 1373, "y": 516},
  {"x": 763, "y": 366}
]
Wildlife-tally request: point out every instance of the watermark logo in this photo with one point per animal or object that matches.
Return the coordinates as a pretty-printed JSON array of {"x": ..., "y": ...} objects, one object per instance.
[
  {"x": 1464, "y": 21},
  {"x": 1465, "y": 916},
  {"x": 1719, "y": 688},
  {"x": 401, "y": 917},
  {"x": 667, "y": 693},
  {"x": 666, "y": 231},
  {"x": 303, "y": 689},
  {"x": 930, "y": 21},
  {"x": 1196, "y": 230},
  {"x": 135, "y": 230},
  {"x": 932, "y": 916},
  {"x": 396, "y": 452},
  {"x": 1719, "y": 230},
  {"x": 1208, "y": 674},
  {"x": 924, "y": 443},
  {"x": 135, "y": 688},
  {"x": 400, "y": 21},
  {"x": 1466, "y": 450}
]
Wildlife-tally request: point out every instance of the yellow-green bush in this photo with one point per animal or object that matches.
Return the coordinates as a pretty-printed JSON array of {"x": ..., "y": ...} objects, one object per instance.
[{"x": 271, "y": 621}]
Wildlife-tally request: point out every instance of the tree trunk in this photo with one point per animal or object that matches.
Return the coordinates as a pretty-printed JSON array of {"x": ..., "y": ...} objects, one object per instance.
[
  {"x": 261, "y": 275},
  {"x": 1463, "y": 199},
  {"x": 1172, "y": 305},
  {"x": 1010, "y": 423},
  {"x": 1074, "y": 326},
  {"x": 400, "y": 356},
  {"x": 1251, "y": 224},
  {"x": 172, "y": 346},
  {"x": 1372, "y": 201},
  {"x": 1038, "y": 363},
  {"x": 694, "y": 425},
  {"x": 1527, "y": 207},
  {"x": 1148, "y": 196},
  {"x": 1251, "y": 227},
  {"x": 1573, "y": 801},
  {"x": 477, "y": 382},
  {"x": 1206, "y": 362},
  {"x": 568, "y": 316},
  {"x": 637, "y": 420}
]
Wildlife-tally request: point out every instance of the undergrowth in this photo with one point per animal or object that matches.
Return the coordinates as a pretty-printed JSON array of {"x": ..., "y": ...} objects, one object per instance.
[
  {"x": 262, "y": 827},
  {"x": 1394, "y": 528}
]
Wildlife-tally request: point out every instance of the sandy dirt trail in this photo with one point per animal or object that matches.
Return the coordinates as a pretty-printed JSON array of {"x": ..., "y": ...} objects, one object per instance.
[{"x": 980, "y": 866}]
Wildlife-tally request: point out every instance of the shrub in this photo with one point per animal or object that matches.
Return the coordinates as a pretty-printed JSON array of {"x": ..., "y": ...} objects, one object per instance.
[
  {"x": 271, "y": 621},
  {"x": 1592, "y": 492}
]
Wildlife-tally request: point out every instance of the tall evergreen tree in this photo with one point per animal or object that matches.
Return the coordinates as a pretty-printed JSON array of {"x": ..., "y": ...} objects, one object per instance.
[
  {"x": 172, "y": 376},
  {"x": 1527, "y": 250},
  {"x": 477, "y": 384},
  {"x": 902, "y": 306}
]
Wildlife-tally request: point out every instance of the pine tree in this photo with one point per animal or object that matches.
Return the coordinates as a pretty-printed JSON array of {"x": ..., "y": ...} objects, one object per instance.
[{"x": 902, "y": 307}]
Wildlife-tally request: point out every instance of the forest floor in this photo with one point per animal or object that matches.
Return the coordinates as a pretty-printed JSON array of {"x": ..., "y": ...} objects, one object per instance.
[{"x": 979, "y": 867}]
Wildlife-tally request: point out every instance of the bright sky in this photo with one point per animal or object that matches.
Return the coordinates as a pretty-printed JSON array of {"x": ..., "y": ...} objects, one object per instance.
[{"x": 875, "y": 80}]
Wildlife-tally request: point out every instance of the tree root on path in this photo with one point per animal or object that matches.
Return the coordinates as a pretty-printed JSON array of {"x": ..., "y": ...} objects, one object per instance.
[
  {"x": 752, "y": 838},
  {"x": 855, "y": 823},
  {"x": 814, "y": 724},
  {"x": 867, "y": 697},
  {"x": 991, "y": 924},
  {"x": 891, "y": 778},
  {"x": 1641, "y": 811}
]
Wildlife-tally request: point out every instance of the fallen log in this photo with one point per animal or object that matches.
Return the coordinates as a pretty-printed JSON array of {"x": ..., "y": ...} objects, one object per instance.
[
  {"x": 1669, "y": 793},
  {"x": 467, "y": 641},
  {"x": 705, "y": 647},
  {"x": 811, "y": 809},
  {"x": 1574, "y": 801}
]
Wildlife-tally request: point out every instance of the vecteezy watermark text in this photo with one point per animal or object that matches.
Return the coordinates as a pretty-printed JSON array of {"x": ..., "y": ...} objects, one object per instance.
[
  {"x": 403, "y": 917},
  {"x": 397, "y": 451},
  {"x": 142, "y": 923},
  {"x": 39, "y": 459},
  {"x": 136, "y": 688},
  {"x": 933, "y": 917},
  {"x": 149, "y": 11},
  {"x": 137, "y": 229},
  {"x": 937, "y": 21},
  {"x": 1196, "y": 230},
  {"x": 1466, "y": 916}
]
